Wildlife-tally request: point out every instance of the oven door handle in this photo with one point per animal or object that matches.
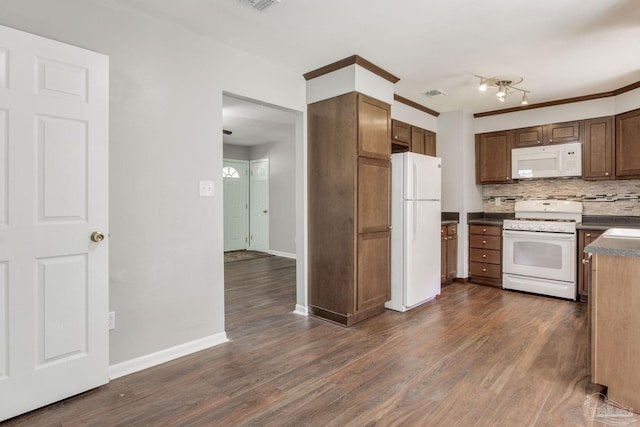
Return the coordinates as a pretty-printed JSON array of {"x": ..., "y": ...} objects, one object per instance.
[{"x": 538, "y": 235}]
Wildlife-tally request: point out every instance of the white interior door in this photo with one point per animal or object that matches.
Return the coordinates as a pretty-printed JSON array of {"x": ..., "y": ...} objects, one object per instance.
[
  {"x": 53, "y": 196},
  {"x": 259, "y": 205},
  {"x": 236, "y": 204}
]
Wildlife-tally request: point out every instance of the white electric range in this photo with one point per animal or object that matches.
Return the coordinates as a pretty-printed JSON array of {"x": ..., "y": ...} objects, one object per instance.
[{"x": 539, "y": 248}]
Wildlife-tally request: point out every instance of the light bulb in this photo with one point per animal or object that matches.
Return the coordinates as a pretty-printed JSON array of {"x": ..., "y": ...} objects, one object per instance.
[
  {"x": 501, "y": 98},
  {"x": 502, "y": 91},
  {"x": 482, "y": 87},
  {"x": 525, "y": 101}
]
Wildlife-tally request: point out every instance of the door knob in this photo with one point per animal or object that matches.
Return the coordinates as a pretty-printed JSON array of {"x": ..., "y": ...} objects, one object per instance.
[{"x": 97, "y": 236}]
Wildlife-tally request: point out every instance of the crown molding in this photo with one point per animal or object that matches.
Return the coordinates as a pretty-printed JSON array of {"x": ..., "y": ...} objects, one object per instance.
[
  {"x": 355, "y": 59},
  {"x": 616, "y": 92},
  {"x": 415, "y": 105}
]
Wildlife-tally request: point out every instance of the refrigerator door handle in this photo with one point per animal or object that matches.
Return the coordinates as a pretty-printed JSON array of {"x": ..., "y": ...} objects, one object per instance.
[
  {"x": 415, "y": 220},
  {"x": 415, "y": 180}
]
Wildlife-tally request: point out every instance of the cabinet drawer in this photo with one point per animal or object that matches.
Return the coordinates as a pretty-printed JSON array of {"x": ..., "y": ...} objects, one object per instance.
[
  {"x": 484, "y": 242},
  {"x": 485, "y": 255},
  {"x": 485, "y": 270},
  {"x": 491, "y": 230}
]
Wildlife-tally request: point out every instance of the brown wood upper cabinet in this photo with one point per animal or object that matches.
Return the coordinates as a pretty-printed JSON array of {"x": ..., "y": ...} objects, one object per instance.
[
  {"x": 412, "y": 138},
  {"x": 598, "y": 149},
  {"x": 400, "y": 132},
  {"x": 493, "y": 157},
  {"x": 548, "y": 134},
  {"x": 628, "y": 145},
  {"x": 418, "y": 142},
  {"x": 373, "y": 128}
]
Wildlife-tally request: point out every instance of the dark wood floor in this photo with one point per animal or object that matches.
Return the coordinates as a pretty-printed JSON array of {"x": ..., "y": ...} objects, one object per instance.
[{"x": 477, "y": 356}]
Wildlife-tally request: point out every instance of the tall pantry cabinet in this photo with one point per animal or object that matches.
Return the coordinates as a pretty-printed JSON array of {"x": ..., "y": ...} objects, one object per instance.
[{"x": 349, "y": 207}]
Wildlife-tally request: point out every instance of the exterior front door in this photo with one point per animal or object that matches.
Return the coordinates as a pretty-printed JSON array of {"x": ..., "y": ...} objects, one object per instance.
[
  {"x": 53, "y": 198},
  {"x": 236, "y": 204}
]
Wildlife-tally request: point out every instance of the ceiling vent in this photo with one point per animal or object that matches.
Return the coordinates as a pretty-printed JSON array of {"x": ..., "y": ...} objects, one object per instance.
[
  {"x": 435, "y": 92},
  {"x": 259, "y": 4}
]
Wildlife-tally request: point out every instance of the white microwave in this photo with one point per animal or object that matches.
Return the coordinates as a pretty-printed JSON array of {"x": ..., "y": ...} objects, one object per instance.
[{"x": 547, "y": 161}]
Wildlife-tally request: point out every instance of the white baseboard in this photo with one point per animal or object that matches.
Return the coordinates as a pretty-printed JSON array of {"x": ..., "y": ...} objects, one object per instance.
[
  {"x": 138, "y": 364},
  {"x": 283, "y": 254},
  {"x": 301, "y": 309}
]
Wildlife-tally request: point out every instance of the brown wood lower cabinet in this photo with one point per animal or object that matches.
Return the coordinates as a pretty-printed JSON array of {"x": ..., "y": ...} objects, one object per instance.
[
  {"x": 485, "y": 254},
  {"x": 615, "y": 322},
  {"x": 585, "y": 237},
  {"x": 448, "y": 252}
]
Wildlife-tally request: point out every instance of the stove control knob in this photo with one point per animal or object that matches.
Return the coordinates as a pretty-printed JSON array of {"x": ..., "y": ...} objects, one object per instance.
[
  {"x": 562, "y": 228},
  {"x": 531, "y": 227},
  {"x": 553, "y": 227}
]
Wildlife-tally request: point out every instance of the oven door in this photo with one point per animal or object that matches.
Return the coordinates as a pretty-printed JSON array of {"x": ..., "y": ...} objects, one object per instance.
[{"x": 537, "y": 254}]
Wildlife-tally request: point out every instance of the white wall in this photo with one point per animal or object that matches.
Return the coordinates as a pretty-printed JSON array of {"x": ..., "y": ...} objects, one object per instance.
[
  {"x": 455, "y": 145},
  {"x": 413, "y": 116},
  {"x": 560, "y": 113},
  {"x": 166, "y": 282},
  {"x": 236, "y": 152},
  {"x": 282, "y": 186}
]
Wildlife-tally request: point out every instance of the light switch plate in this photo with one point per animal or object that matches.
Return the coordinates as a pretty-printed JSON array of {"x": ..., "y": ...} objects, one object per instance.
[{"x": 206, "y": 189}]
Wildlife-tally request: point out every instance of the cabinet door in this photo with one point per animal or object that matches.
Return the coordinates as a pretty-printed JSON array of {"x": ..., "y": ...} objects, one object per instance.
[
  {"x": 452, "y": 252},
  {"x": 493, "y": 157},
  {"x": 374, "y": 195},
  {"x": 585, "y": 237},
  {"x": 597, "y": 151},
  {"x": 400, "y": 132},
  {"x": 417, "y": 140},
  {"x": 374, "y": 270},
  {"x": 528, "y": 137},
  {"x": 628, "y": 145},
  {"x": 430, "y": 143},
  {"x": 374, "y": 127},
  {"x": 561, "y": 132}
]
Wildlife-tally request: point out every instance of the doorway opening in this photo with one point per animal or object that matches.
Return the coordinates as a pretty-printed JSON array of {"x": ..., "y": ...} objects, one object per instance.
[{"x": 260, "y": 208}]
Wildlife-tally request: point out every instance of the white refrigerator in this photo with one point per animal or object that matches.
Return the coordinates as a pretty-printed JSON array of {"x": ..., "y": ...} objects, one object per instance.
[{"x": 415, "y": 233}]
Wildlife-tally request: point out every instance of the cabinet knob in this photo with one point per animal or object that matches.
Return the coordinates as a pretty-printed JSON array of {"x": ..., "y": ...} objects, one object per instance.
[
  {"x": 606, "y": 174},
  {"x": 507, "y": 178},
  {"x": 484, "y": 255},
  {"x": 585, "y": 261},
  {"x": 551, "y": 140},
  {"x": 484, "y": 270},
  {"x": 484, "y": 242},
  {"x": 537, "y": 142},
  {"x": 484, "y": 230},
  {"x": 588, "y": 234}
]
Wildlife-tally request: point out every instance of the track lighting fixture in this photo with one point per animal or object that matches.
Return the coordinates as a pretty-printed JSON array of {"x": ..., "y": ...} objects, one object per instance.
[{"x": 505, "y": 85}]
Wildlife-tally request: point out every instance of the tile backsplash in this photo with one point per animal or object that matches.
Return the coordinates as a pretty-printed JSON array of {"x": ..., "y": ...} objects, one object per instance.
[{"x": 615, "y": 197}]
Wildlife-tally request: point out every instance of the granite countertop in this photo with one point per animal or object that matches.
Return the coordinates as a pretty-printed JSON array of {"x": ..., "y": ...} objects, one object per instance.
[
  {"x": 487, "y": 218},
  {"x": 486, "y": 221},
  {"x": 617, "y": 246}
]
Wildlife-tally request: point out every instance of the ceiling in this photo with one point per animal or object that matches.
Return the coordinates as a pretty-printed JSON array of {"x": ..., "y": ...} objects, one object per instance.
[
  {"x": 562, "y": 48},
  {"x": 252, "y": 123}
]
